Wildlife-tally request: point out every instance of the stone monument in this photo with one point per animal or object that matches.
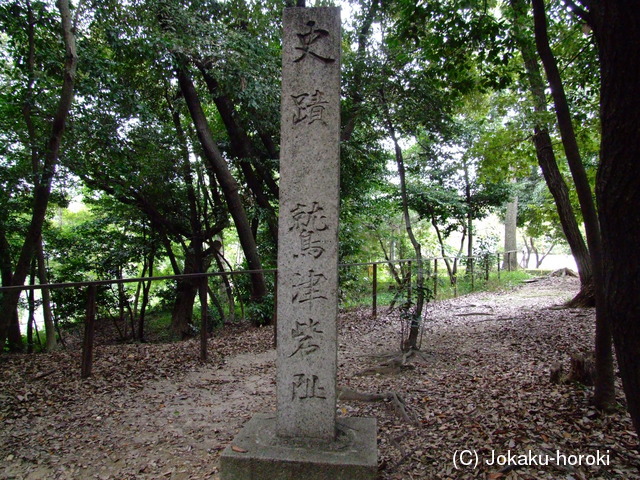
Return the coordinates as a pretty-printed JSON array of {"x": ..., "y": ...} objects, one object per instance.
[{"x": 305, "y": 440}]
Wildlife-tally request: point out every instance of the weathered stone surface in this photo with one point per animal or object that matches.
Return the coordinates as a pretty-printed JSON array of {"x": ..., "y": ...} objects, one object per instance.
[
  {"x": 308, "y": 224},
  {"x": 257, "y": 453},
  {"x": 304, "y": 441}
]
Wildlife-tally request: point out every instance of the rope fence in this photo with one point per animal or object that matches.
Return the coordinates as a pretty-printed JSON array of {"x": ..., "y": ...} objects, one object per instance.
[{"x": 400, "y": 280}]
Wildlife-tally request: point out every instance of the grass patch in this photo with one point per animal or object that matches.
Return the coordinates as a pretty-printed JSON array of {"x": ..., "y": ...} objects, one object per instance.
[
  {"x": 157, "y": 327},
  {"x": 360, "y": 294}
]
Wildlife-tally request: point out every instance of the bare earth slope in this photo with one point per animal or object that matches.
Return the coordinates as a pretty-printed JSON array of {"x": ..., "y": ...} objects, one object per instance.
[{"x": 481, "y": 391}]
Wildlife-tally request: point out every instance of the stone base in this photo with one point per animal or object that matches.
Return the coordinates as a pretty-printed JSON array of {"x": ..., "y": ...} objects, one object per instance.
[{"x": 258, "y": 454}]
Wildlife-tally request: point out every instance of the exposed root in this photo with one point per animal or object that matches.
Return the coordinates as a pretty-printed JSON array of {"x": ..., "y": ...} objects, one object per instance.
[
  {"x": 585, "y": 298},
  {"x": 346, "y": 394},
  {"x": 395, "y": 362},
  {"x": 581, "y": 370},
  {"x": 563, "y": 272}
]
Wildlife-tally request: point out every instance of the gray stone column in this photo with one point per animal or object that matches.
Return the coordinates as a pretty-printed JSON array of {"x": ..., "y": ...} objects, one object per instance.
[
  {"x": 308, "y": 226},
  {"x": 303, "y": 440}
]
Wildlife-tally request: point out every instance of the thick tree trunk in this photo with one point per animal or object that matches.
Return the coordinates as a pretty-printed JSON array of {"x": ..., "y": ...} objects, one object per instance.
[
  {"x": 617, "y": 29},
  {"x": 604, "y": 394},
  {"x": 544, "y": 147},
  {"x": 186, "y": 290},
  {"x": 227, "y": 183},
  {"x": 242, "y": 148},
  {"x": 182, "y": 313},
  {"x": 42, "y": 188}
]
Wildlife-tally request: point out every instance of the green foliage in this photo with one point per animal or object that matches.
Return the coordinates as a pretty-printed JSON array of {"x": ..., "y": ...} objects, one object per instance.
[
  {"x": 446, "y": 74},
  {"x": 258, "y": 312},
  {"x": 357, "y": 287},
  {"x": 464, "y": 41},
  {"x": 158, "y": 326}
]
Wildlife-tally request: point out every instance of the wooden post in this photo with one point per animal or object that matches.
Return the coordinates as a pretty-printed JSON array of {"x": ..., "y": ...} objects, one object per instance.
[
  {"x": 455, "y": 277},
  {"x": 87, "y": 344},
  {"x": 498, "y": 258},
  {"x": 203, "y": 320},
  {"x": 509, "y": 261},
  {"x": 435, "y": 278},
  {"x": 409, "y": 282},
  {"x": 486, "y": 267},
  {"x": 375, "y": 291}
]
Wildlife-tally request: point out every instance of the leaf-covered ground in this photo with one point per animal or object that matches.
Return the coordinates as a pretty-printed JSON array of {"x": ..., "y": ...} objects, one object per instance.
[{"x": 482, "y": 388}]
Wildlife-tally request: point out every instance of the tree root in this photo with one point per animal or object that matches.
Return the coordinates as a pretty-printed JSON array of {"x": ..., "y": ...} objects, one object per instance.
[
  {"x": 391, "y": 363},
  {"x": 347, "y": 394},
  {"x": 581, "y": 370},
  {"x": 563, "y": 272}
]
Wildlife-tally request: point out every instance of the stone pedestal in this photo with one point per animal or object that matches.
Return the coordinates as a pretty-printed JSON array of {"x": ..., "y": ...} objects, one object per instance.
[
  {"x": 259, "y": 454},
  {"x": 304, "y": 440}
]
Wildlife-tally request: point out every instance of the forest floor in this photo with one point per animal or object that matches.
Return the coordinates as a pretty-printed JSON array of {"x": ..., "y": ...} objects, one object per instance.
[{"x": 482, "y": 386}]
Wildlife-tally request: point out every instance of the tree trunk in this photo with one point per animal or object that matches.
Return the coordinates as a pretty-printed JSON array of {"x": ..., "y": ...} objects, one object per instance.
[
  {"x": 146, "y": 287},
  {"x": 42, "y": 188},
  {"x": 604, "y": 394},
  {"x": 443, "y": 252},
  {"x": 469, "y": 221},
  {"x": 510, "y": 235},
  {"x": 217, "y": 254},
  {"x": 392, "y": 268},
  {"x": 411, "y": 342},
  {"x": 526, "y": 255},
  {"x": 544, "y": 148},
  {"x": 186, "y": 290},
  {"x": 616, "y": 26},
  {"x": 226, "y": 181},
  {"x": 242, "y": 148},
  {"x": 182, "y": 313},
  {"x": 31, "y": 319},
  {"x": 47, "y": 313}
]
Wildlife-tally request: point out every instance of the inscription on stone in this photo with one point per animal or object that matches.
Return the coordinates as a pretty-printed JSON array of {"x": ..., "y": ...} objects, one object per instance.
[
  {"x": 308, "y": 38},
  {"x": 308, "y": 287},
  {"x": 307, "y": 336},
  {"x": 308, "y": 224},
  {"x": 307, "y": 386},
  {"x": 310, "y": 107},
  {"x": 304, "y": 441}
]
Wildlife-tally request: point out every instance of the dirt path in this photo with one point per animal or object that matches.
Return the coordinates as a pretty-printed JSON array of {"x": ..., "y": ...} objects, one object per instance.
[{"x": 152, "y": 412}]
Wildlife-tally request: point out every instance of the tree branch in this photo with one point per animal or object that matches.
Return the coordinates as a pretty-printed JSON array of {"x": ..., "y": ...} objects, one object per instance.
[
  {"x": 580, "y": 12},
  {"x": 358, "y": 100}
]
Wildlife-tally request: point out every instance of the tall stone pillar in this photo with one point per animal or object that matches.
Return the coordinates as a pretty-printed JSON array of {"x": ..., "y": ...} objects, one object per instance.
[
  {"x": 304, "y": 439},
  {"x": 308, "y": 224}
]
